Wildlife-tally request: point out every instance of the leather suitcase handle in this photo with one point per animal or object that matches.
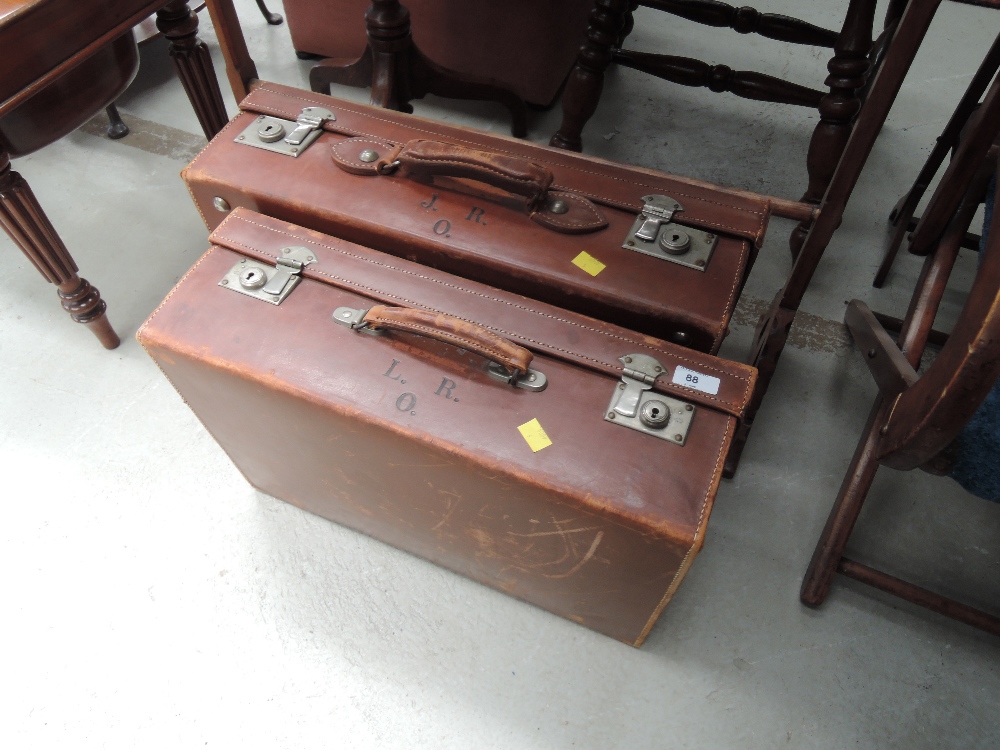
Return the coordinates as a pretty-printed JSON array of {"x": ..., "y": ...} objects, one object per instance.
[
  {"x": 559, "y": 210},
  {"x": 451, "y": 331},
  {"x": 510, "y": 173}
]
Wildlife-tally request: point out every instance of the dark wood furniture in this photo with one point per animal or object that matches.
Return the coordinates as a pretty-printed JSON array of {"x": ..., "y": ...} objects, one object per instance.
[
  {"x": 916, "y": 417},
  {"x": 526, "y": 46},
  {"x": 854, "y": 55},
  {"x": 65, "y": 60},
  {"x": 272, "y": 18},
  {"x": 146, "y": 31},
  {"x": 899, "y": 48},
  {"x": 399, "y": 72},
  {"x": 902, "y": 220}
]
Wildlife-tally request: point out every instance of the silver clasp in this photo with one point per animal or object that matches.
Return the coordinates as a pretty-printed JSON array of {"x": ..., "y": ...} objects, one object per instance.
[
  {"x": 270, "y": 284},
  {"x": 266, "y": 132},
  {"x": 633, "y": 406},
  {"x": 654, "y": 232},
  {"x": 659, "y": 209},
  {"x": 310, "y": 119}
]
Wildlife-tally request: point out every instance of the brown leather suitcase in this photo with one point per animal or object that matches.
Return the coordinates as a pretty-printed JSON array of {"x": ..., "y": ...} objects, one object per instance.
[
  {"x": 657, "y": 254},
  {"x": 567, "y": 462}
]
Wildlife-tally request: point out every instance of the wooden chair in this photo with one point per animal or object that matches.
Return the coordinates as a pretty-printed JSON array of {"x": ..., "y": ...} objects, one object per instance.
[
  {"x": 916, "y": 418},
  {"x": 63, "y": 61},
  {"x": 902, "y": 220}
]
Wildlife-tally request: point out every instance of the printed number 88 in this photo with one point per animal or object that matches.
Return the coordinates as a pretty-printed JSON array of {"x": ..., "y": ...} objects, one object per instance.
[{"x": 691, "y": 378}]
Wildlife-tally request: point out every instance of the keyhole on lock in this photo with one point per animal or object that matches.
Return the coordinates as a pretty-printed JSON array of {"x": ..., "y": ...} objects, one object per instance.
[
  {"x": 654, "y": 414},
  {"x": 675, "y": 242},
  {"x": 271, "y": 132},
  {"x": 252, "y": 278}
]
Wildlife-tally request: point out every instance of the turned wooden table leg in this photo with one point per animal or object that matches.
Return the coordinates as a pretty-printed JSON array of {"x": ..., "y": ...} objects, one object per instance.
[
  {"x": 193, "y": 61},
  {"x": 629, "y": 23},
  {"x": 583, "y": 88},
  {"x": 848, "y": 70},
  {"x": 26, "y": 224},
  {"x": 390, "y": 41},
  {"x": 398, "y": 72}
]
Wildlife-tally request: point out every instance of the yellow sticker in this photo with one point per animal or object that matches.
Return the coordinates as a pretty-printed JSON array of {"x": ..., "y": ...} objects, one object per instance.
[
  {"x": 588, "y": 263},
  {"x": 534, "y": 435}
]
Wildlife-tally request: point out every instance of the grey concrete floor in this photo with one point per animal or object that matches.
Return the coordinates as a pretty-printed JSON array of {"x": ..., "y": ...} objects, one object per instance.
[{"x": 152, "y": 599}]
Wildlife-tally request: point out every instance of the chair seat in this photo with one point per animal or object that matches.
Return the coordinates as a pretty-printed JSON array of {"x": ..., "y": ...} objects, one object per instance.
[{"x": 40, "y": 36}]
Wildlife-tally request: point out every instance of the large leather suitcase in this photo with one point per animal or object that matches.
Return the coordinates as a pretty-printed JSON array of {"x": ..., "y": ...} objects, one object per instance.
[
  {"x": 565, "y": 461},
  {"x": 657, "y": 254}
]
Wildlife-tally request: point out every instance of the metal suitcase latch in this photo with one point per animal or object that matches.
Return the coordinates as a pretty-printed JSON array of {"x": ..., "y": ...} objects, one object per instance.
[
  {"x": 655, "y": 233},
  {"x": 285, "y": 136},
  {"x": 267, "y": 283},
  {"x": 634, "y": 406}
]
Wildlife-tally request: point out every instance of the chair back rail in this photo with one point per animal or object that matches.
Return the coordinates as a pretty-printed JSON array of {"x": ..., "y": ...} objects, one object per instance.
[
  {"x": 980, "y": 133},
  {"x": 930, "y": 414}
]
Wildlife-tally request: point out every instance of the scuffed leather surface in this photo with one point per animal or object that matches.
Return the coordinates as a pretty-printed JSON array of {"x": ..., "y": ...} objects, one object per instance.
[
  {"x": 599, "y": 527},
  {"x": 541, "y": 328}
]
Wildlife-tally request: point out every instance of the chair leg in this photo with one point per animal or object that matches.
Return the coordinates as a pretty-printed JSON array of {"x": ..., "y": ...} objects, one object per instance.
[
  {"x": 26, "y": 224},
  {"x": 844, "y": 514},
  {"x": 629, "y": 23},
  {"x": 837, "y": 109},
  {"x": 899, "y": 219},
  {"x": 772, "y": 332},
  {"x": 914, "y": 333},
  {"x": 116, "y": 127},
  {"x": 179, "y": 23},
  {"x": 583, "y": 88},
  {"x": 272, "y": 18}
]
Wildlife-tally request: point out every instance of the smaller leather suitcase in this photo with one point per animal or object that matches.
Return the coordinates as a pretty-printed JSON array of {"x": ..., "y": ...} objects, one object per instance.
[
  {"x": 564, "y": 461},
  {"x": 654, "y": 253}
]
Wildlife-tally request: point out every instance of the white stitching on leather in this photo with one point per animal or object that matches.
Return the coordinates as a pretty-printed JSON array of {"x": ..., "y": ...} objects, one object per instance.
[
  {"x": 633, "y": 342},
  {"x": 675, "y": 581},
  {"x": 343, "y": 105}
]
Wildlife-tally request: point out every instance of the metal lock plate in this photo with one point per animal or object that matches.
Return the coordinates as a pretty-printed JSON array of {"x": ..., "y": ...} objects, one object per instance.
[
  {"x": 635, "y": 405},
  {"x": 269, "y": 283},
  {"x": 286, "y": 137},
  {"x": 655, "y": 233}
]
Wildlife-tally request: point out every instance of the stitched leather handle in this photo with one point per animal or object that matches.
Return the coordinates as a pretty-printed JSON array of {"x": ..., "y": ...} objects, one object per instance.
[
  {"x": 452, "y": 331},
  {"x": 510, "y": 173}
]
